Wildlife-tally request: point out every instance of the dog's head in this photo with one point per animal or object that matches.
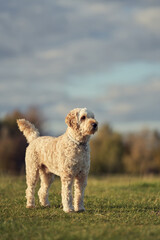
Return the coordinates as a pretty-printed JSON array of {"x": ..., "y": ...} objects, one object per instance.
[{"x": 82, "y": 121}]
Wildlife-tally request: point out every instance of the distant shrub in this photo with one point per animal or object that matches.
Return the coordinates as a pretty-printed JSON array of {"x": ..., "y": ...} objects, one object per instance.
[
  {"x": 136, "y": 153},
  {"x": 107, "y": 152},
  {"x": 142, "y": 152},
  {"x": 12, "y": 142},
  {"x": 111, "y": 152}
]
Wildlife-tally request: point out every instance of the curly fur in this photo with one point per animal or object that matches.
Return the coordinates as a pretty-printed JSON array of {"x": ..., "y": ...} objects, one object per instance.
[
  {"x": 28, "y": 129},
  {"x": 67, "y": 156}
]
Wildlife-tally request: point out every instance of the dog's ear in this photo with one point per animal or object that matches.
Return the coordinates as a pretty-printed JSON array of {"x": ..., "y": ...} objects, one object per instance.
[{"x": 72, "y": 119}]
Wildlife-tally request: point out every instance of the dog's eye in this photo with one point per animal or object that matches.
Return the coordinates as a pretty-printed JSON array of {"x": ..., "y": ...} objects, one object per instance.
[{"x": 83, "y": 118}]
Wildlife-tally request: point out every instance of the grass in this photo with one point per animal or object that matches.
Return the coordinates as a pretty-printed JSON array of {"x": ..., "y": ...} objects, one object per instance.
[{"x": 118, "y": 207}]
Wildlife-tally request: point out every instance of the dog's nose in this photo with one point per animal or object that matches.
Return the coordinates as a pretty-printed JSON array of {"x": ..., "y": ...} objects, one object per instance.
[{"x": 94, "y": 125}]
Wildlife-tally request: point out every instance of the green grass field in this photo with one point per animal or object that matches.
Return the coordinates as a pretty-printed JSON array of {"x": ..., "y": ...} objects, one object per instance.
[{"x": 116, "y": 208}]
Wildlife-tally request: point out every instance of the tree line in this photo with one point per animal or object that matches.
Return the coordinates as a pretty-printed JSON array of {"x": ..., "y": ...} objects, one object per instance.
[
  {"x": 111, "y": 152},
  {"x": 12, "y": 142},
  {"x": 135, "y": 153}
]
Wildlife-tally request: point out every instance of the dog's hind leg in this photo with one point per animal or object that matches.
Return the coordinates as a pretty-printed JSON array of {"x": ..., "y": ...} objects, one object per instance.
[
  {"x": 32, "y": 178},
  {"x": 46, "y": 180}
]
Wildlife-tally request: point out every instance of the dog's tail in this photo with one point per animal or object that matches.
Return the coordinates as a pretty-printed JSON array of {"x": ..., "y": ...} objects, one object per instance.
[{"x": 28, "y": 129}]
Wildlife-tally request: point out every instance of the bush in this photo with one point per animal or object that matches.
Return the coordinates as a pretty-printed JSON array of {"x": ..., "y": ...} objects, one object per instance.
[
  {"x": 12, "y": 142},
  {"x": 142, "y": 155},
  {"x": 111, "y": 152},
  {"x": 136, "y": 153},
  {"x": 107, "y": 152}
]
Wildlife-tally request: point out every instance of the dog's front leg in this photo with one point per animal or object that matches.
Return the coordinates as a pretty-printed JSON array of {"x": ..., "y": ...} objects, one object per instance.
[
  {"x": 79, "y": 187},
  {"x": 67, "y": 194}
]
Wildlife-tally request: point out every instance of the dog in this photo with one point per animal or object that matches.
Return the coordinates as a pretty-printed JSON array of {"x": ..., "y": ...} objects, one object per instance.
[{"x": 67, "y": 156}]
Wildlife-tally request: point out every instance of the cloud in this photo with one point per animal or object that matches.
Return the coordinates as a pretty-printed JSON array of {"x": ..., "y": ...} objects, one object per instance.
[
  {"x": 83, "y": 34},
  {"x": 136, "y": 102},
  {"x": 46, "y": 48},
  {"x": 150, "y": 18}
]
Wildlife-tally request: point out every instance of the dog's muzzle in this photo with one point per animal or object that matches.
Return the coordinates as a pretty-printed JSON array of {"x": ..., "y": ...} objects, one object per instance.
[{"x": 94, "y": 126}]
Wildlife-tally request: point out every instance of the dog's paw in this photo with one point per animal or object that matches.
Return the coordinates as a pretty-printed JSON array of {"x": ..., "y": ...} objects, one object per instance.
[
  {"x": 68, "y": 210},
  {"x": 81, "y": 209},
  {"x": 30, "y": 206},
  {"x": 46, "y": 205}
]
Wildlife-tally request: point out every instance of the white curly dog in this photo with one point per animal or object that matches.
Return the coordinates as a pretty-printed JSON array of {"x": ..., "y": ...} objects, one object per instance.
[{"x": 67, "y": 156}]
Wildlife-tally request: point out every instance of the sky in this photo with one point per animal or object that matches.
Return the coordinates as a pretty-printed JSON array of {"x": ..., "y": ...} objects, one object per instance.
[{"x": 103, "y": 55}]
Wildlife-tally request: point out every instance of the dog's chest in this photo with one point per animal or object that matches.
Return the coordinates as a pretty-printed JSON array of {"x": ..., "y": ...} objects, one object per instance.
[{"x": 78, "y": 159}]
